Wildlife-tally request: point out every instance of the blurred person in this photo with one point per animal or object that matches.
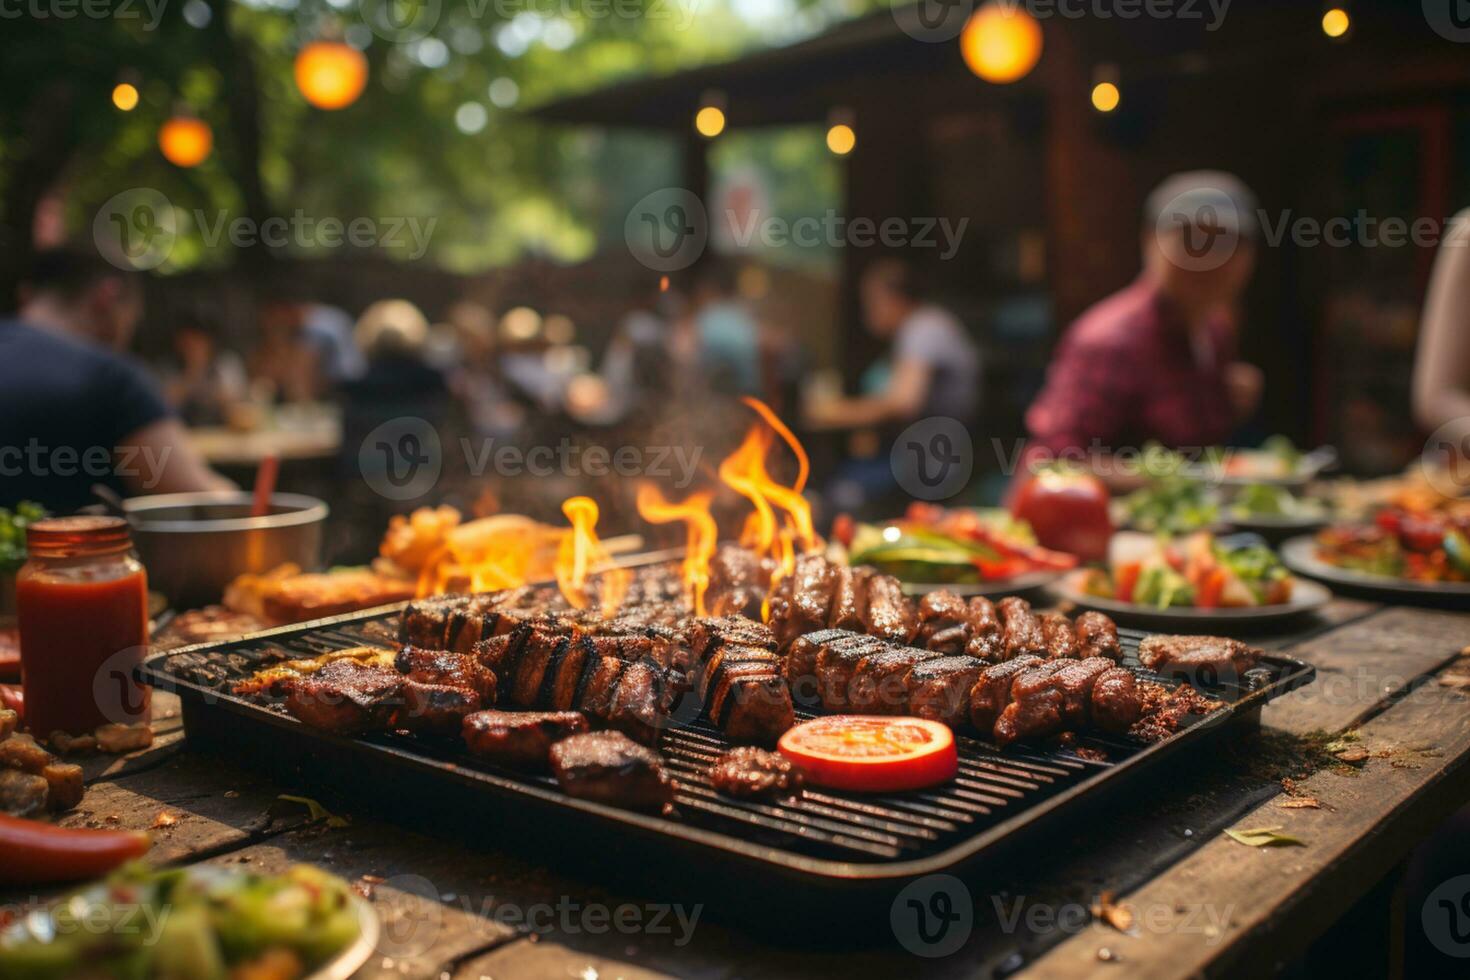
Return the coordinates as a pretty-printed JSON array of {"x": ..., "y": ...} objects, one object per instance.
[
  {"x": 1156, "y": 361},
  {"x": 476, "y": 380},
  {"x": 321, "y": 331},
  {"x": 74, "y": 411},
  {"x": 1442, "y": 361},
  {"x": 204, "y": 382},
  {"x": 723, "y": 333},
  {"x": 638, "y": 368},
  {"x": 398, "y": 382},
  {"x": 933, "y": 368},
  {"x": 282, "y": 359}
]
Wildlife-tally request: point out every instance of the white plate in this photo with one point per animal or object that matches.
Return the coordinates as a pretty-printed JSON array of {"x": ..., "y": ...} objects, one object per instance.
[
  {"x": 1305, "y": 597},
  {"x": 1002, "y": 586},
  {"x": 1274, "y": 523},
  {"x": 1300, "y": 555}
]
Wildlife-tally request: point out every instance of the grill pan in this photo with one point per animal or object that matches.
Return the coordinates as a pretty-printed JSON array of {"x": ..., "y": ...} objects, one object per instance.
[{"x": 822, "y": 843}]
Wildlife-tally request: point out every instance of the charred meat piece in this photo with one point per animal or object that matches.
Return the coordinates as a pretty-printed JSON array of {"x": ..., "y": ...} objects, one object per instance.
[
  {"x": 992, "y": 690},
  {"x": 944, "y": 622},
  {"x": 939, "y": 689},
  {"x": 749, "y": 705},
  {"x": 1198, "y": 659},
  {"x": 444, "y": 667},
  {"x": 599, "y": 684},
  {"x": 1076, "y": 680},
  {"x": 987, "y": 637},
  {"x": 520, "y": 739},
  {"x": 424, "y": 622},
  {"x": 704, "y": 636},
  {"x": 736, "y": 654},
  {"x": 609, "y": 767},
  {"x": 837, "y": 664},
  {"x": 880, "y": 685},
  {"x": 563, "y": 676},
  {"x": 890, "y": 615},
  {"x": 850, "y": 597},
  {"x": 804, "y": 600},
  {"x": 1098, "y": 636},
  {"x": 800, "y": 668},
  {"x": 1060, "y": 637},
  {"x": 437, "y": 708},
  {"x": 1022, "y": 630},
  {"x": 638, "y": 707},
  {"x": 347, "y": 697},
  {"x": 738, "y": 582},
  {"x": 1116, "y": 702},
  {"x": 1036, "y": 705},
  {"x": 751, "y": 773},
  {"x": 524, "y": 679}
]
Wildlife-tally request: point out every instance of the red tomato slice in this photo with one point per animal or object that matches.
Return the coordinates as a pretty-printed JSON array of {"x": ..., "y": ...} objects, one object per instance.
[{"x": 872, "y": 753}]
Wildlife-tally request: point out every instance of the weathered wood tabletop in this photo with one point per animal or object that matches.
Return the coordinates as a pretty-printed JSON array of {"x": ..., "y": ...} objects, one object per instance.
[{"x": 1392, "y": 678}]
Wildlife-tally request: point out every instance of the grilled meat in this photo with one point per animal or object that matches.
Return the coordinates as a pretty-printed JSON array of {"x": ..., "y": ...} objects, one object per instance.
[
  {"x": 800, "y": 669},
  {"x": 611, "y": 768},
  {"x": 1116, "y": 703},
  {"x": 745, "y": 695},
  {"x": 1060, "y": 637},
  {"x": 445, "y": 667},
  {"x": 738, "y": 582},
  {"x": 890, "y": 615},
  {"x": 1036, "y": 705},
  {"x": 837, "y": 664},
  {"x": 1022, "y": 630},
  {"x": 987, "y": 637},
  {"x": 944, "y": 622},
  {"x": 880, "y": 685},
  {"x": 1198, "y": 659},
  {"x": 939, "y": 689},
  {"x": 850, "y": 597},
  {"x": 519, "y": 739},
  {"x": 347, "y": 696},
  {"x": 803, "y": 601},
  {"x": 1098, "y": 636},
  {"x": 751, "y": 773},
  {"x": 992, "y": 690},
  {"x": 22, "y": 794},
  {"x": 436, "y": 708},
  {"x": 1076, "y": 681}
]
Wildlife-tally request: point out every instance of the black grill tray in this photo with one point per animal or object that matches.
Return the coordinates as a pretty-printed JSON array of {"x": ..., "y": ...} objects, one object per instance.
[{"x": 823, "y": 842}]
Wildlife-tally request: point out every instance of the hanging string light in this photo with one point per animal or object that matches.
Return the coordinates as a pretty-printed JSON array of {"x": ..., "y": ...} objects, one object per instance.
[
  {"x": 1105, "y": 92},
  {"x": 1336, "y": 22},
  {"x": 709, "y": 121},
  {"x": 1001, "y": 43},
  {"x": 331, "y": 74},
  {"x": 841, "y": 137},
  {"x": 186, "y": 141}
]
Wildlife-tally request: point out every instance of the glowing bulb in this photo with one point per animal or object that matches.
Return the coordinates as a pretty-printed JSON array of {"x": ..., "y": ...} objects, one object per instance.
[
  {"x": 1001, "y": 43},
  {"x": 892, "y": 534},
  {"x": 710, "y": 121},
  {"x": 330, "y": 74},
  {"x": 841, "y": 139},
  {"x": 1335, "y": 22},
  {"x": 1105, "y": 97},
  {"x": 186, "y": 141},
  {"x": 125, "y": 97}
]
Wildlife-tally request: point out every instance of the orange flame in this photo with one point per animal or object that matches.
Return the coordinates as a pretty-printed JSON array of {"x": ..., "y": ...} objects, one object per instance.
[
  {"x": 702, "y": 535},
  {"x": 582, "y": 553}
]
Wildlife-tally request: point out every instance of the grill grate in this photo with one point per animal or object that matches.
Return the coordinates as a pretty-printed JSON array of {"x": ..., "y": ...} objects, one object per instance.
[{"x": 993, "y": 787}]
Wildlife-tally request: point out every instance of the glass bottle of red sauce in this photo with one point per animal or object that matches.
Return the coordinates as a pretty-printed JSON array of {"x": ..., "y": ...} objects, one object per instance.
[{"x": 82, "y": 605}]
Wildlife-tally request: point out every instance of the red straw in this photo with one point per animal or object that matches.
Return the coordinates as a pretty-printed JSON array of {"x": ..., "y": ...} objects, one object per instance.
[{"x": 265, "y": 485}]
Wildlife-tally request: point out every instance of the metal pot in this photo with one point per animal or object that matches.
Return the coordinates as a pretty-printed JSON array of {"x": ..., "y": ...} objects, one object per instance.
[{"x": 194, "y": 544}]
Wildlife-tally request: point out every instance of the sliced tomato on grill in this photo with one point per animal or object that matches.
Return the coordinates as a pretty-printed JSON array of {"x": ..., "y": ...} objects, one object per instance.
[{"x": 872, "y": 753}]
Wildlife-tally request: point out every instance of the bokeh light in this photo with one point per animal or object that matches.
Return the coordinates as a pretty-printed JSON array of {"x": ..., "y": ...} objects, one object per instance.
[
  {"x": 330, "y": 74},
  {"x": 1001, "y": 44},
  {"x": 1335, "y": 22},
  {"x": 1105, "y": 97},
  {"x": 125, "y": 96},
  {"x": 710, "y": 121},
  {"x": 841, "y": 139},
  {"x": 186, "y": 141}
]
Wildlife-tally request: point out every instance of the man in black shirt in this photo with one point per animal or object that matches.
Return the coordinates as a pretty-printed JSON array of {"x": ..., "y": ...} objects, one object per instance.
[{"x": 74, "y": 412}]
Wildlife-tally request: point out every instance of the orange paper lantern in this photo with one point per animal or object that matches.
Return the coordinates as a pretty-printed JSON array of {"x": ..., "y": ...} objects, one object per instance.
[
  {"x": 1001, "y": 43},
  {"x": 186, "y": 141},
  {"x": 330, "y": 74}
]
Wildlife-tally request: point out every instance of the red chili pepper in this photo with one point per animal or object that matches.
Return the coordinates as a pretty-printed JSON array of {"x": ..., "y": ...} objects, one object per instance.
[{"x": 36, "y": 853}]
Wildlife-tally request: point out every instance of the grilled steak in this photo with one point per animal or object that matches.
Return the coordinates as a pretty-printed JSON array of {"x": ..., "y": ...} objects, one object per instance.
[
  {"x": 751, "y": 773},
  {"x": 1022, "y": 630},
  {"x": 889, "y": 615},
  {"x": 519, "y": 739},
  {"x": 880, "y": 685},
  {"x": 1060, "y": 637},
  {"x": 1198, "y": 659},
  {"x": 1098, "y": 635},
  {"x": 837, "y": 664},
  {"x": 438, "y": 708},
  {"x": 800, "y": 669},
  {"x": 444, "y": 667},
  {"x": 944, "y": 622},
  {"x": 850, "y": 597},
  {"x": 1116, "y": 703},
  {"x": 992, "y": 691},
  {"x": 347, "y": 697},
  {"x": 939, "y": 689},
  {"x": 1076, "y": 681},
  {"x": 804, "y": 600},
  {"x": 987, "y": 637},
  {"x": 738, "y": 582},
  {"x": 611, "y": 768},
  {"x": 1036, "y": 705}
]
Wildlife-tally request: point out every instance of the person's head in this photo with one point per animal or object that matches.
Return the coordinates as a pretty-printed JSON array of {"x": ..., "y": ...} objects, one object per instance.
[
  {"x": 391, "y": 328},
  {"x": 889, "y": 293},
  {"x": 1199, "y": 237},
  {"x": 83, "y": 295},
  {"x": 196, "y": 337},
  {"x": 714, "y": 280}
]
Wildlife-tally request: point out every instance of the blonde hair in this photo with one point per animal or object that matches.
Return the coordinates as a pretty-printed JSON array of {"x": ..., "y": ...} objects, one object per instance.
[{"x": 391, "y": 324}]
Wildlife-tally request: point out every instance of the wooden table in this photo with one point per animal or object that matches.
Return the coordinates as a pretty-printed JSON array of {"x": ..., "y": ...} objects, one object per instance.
[{"x": 1201, "y": 902}]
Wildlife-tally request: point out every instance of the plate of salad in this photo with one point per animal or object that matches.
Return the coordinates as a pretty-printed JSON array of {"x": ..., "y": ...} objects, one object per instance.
[
  {"x": 971, "y": 551},
  {"x": 1197, "y": 579},
  {"x": 1274, "y": 511},
  {"x": 1401, "y": 552},
  {"x": 200, "y": 923},
  {"x": 1277, "y": 461}
]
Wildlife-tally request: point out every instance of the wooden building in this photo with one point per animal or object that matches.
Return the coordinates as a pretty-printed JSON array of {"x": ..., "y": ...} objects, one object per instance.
[{"x": 1374, "y": 124}]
